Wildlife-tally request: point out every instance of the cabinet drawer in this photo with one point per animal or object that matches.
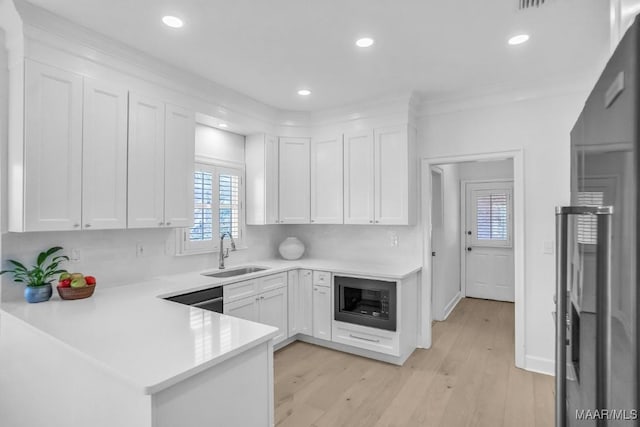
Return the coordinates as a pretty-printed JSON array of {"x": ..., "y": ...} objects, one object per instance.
[
  {"x": 237, "y": 291},
  {"x": 322, "y": 278},
  {"x": 366, "y": 338},
  {"x": 274, "y": 281}
]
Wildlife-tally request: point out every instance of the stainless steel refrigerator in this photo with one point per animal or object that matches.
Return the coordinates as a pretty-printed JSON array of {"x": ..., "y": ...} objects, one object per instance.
[{"x": 597, "y": 287}]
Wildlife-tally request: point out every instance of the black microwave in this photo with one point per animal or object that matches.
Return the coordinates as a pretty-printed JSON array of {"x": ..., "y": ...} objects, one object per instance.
[{"x": 365, "y": 302}]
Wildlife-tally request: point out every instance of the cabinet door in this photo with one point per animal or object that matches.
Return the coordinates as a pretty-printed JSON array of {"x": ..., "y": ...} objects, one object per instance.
[
  {"x": 246, "y": 308},
  {"x": 391, "y": 176},
  {"x": 146, "y": 162},
  {"x": 358, "y": 178},
  {"x": 326, "y": 180},
  {"x": 305, "y": 303},
  {"x": 53, "y": 149},
  {"x": 271, "y": 179},
  {"x": 294, "y": 200},
  {"x": 273, "y": 311},
  {"x": 104, "y": 156},
  {"x": 293, "y": 290},
  {"x": 179, "y": 158},
  {"x": 322, "y": 309}
]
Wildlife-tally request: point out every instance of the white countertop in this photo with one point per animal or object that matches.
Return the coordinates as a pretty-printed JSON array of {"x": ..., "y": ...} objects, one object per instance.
[
  {"x": 196, "y": 281},
  {"x": 153, "y": 343}
]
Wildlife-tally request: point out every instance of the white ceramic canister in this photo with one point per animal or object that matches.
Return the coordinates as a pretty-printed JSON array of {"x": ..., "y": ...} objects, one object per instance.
[{"x": 291, "y": 248}]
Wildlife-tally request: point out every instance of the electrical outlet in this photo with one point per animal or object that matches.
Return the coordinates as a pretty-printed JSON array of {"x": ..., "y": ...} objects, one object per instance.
[
  {"x": 75, "y": 255},
  {"x": 393, "y": 239},
  {"x": 548, "y": 247},
  {"x": 139, "y": 249}
]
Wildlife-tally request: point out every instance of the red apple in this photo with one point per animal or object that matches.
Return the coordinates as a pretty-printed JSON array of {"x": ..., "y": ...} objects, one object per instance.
[
  {"x": 90, "y": 280},
  {"x": 66, "y": 283}
]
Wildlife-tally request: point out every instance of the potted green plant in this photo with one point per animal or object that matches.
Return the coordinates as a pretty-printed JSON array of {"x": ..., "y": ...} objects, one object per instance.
[{"x": 38, "y": 278}]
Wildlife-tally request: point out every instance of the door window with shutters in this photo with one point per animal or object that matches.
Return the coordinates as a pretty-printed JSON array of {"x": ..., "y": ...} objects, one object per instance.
[
  {"x": 492, "y": 213},
  {"x": 218, "y": 195}
]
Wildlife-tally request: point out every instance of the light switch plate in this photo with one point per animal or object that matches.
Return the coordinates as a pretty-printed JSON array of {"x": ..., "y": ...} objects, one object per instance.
[{"x": 548, "y": 247}]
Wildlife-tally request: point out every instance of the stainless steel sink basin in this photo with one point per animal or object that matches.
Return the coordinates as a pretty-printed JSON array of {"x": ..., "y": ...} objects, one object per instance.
[{"x": 235, "y": 272}]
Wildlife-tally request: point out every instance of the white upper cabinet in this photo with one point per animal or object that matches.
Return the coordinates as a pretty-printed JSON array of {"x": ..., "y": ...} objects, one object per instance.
[
  {"x": 294, "y": 181},
  {"x": 50, "y": 185},
  {"x": 391, "y": 176},
  {"x": 95, "y": 156},
  {"x": 146, "y": 162},
  {"x": 178, "y": 166},
  {"x": 379, "y": 177},
  {"x": 261, "y": 160},
  {"x": 161, "y": 158},
  {"x": 326, "y": 180},
  {"x": 104, "y": 156},
  {"x": 358, "y": 178}
]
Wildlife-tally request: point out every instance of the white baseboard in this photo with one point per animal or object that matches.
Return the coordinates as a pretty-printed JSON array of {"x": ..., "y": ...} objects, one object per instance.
[
  {"x": 451, "y": 305},
  {"x": 540, "y": 365}
]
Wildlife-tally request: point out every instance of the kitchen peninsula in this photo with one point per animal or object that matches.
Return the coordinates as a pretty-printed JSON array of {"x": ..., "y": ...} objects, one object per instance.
[{"x": 128, "y": 357}]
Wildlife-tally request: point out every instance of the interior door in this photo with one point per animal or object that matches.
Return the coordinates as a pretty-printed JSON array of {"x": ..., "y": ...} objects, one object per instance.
[
  {"x": 436, "y": 242},
  {"x": 489, "y": 266}
]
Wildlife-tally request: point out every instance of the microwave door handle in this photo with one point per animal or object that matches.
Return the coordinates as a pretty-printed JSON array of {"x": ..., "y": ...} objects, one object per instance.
[
  {"x": 603, "y": 310},
  {"x": 561, "y": 312}
]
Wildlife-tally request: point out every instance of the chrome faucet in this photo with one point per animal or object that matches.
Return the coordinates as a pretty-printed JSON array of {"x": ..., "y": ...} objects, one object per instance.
[{"x": 223, "y": 254}]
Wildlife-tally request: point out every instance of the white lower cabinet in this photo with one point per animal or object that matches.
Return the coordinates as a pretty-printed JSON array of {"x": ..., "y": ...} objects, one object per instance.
[
  {"x": 368, "y": 338},
  {"x": 262, "y": 300},
  {"x": 300, "y": 302},
  {"x": 246, "y": 308},
  {"x": 322, "y": 309},
  {"x": 272, "y": 311}
]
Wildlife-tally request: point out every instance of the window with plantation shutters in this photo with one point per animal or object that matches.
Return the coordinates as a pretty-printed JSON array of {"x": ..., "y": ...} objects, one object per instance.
[
  {"x": 202, "y": 229},
  {"x": 492, "y": 217},
  {"x": 217, "y": 209},
  {"x": 229, "y": 207}
]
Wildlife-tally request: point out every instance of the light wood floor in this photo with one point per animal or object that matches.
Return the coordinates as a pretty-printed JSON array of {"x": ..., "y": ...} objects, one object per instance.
[{"x": 467, "y": 378}]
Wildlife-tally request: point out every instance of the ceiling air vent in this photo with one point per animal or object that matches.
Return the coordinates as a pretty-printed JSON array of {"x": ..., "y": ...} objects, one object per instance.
[{"x": 523, "y": 4}]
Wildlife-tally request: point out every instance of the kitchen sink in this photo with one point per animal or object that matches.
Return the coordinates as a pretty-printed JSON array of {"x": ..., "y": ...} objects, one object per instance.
[{"x": 235, "y": 272}]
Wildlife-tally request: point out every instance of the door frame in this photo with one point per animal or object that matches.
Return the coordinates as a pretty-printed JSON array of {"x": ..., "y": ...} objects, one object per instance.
[
  {"x": 463, "y": 224},
  {"x": 426, "y": 314}
]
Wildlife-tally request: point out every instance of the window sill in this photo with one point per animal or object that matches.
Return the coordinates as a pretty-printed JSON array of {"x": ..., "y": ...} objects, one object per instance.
[{"x": 207, "y": 251}]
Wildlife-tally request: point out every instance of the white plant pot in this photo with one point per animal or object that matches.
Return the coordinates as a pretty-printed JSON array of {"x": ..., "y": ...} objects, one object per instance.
[{"x": 291, "y": 248}]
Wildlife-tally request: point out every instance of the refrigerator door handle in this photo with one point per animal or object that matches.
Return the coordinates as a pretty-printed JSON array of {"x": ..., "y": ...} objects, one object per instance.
[
  {"x": 561, "y": 312},
  {"x": 603, "y": 214},
  {"x": 603, "y": 310}
]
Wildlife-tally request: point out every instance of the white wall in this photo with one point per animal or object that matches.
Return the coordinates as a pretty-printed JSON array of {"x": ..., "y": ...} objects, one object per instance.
[
  {"x": 4, "y": 135},
  {"x": 541, "y": 128},
  {"x": 360, "y": 243},
  {"x": 496, "y": 169},
  {"x": 217, "y": 144}
]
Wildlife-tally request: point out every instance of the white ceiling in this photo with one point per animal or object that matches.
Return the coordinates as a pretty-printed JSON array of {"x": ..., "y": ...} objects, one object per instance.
[{"x": 269, "y": 49}]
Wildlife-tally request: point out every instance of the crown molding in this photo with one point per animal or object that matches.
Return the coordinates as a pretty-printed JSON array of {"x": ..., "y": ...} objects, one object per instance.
[
  {"x": 506, "y": 94},
  {"x": 41, "y": 27}
]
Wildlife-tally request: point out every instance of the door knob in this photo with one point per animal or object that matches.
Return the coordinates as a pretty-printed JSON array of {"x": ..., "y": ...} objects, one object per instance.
[{"x": 469, "y": 249}]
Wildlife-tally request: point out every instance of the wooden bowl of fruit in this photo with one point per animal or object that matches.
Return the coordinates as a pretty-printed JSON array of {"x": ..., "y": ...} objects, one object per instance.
[{"x": 75, "y": 286}]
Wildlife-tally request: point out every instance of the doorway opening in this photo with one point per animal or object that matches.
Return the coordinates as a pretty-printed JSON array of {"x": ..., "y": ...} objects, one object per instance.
[{"x": 473, "y": 209}]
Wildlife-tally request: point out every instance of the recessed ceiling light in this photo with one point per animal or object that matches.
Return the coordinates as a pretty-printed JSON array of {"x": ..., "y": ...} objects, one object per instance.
[
  {"x": 365, "y": 42},
  {"x": 304, "y": 92},
  {"x": 519, "y": 39},
  {"x": 172, "y": 21},
  {"x": 223, "y": 125}
]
